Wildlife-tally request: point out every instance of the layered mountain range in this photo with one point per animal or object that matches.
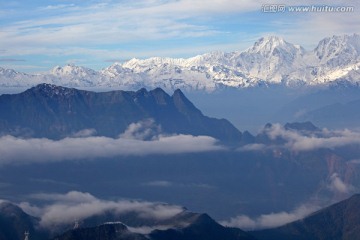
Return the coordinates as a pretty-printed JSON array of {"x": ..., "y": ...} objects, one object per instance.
[
  {"x": 185, "y": 225},
  {"x": 271, "y": 60},
  {"x": 339, "y": 221}
]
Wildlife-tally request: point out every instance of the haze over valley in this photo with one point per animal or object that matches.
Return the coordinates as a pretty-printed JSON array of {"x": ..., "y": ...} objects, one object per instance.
[{"x": 104, "y": 148}]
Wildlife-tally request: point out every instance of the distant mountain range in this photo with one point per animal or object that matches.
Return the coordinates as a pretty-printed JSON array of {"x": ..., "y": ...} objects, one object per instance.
[
  {"x": 56, "y": 112},
  {"x": 186, "y": 225},
  {"x": 271, "y": 60}
]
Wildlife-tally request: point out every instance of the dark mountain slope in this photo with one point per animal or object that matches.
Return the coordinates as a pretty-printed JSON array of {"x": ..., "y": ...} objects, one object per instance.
[
  {"x": 184, "y": 227},
  {"x": 56, "y": 112},
  {"x": 201, "y": 227},
  {"x": 340, "y": 221},
  {"x": 14, "y": 222},
  {"x": 109, "y": 231}
]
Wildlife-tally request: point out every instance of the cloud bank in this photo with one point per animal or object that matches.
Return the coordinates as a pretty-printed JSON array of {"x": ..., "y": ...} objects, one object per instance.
[
  {"x": 139, "y": 139},
  {"x": 21, "y": 151},
  {"x": 325, "y": 139}
]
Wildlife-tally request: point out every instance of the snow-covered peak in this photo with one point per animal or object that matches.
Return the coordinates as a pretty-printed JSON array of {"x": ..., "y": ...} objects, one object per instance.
[
  {"x": 268, "y": 42},
  {"x": 71, "y": 69},
  {"x": 52, "y": 90},
  {"x": 74, "y": 76},
  {"x": 146, "y": 64},
  {"x": 7, "y": 72},
  {"x": 271, "y": 60},
  {"x": 271, "y": 45},
  {"x": 114, "y": 70},
  {"x": 338, "y": 50},
  {"x": 212, "y": 58}
]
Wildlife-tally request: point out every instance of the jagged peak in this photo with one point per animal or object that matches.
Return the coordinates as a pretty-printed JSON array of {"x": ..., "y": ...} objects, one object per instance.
[
  {"x": 159, "y": 91},
  {"x": 142, "y": 91},
  {"x": 338, "y": 38},
  {"x": 155, "y": 61},
  {"x": 272, "y": 38},
  {"x": 8, "y": 71},
  {"x": 183, "y": 104},
  {"x": 203, "y": 218},
  {"x": 52, "y": 90},
  {"x": 301, "y": 126},
  {"x": 270, "y": 60},
  {"x": 330, "y": 46},
  {"x": 267, "y": 45},
  {"x": 179, "y": 96},
  {"x": 46, "y": 86},
  {"x": 178, "y": 93},
  {"x": 69, "y": 69},
  {"x": 7, "y": 207}
]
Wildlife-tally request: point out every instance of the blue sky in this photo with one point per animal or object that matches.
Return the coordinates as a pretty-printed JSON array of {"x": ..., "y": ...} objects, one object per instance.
[{"x": 38, "y": 35}]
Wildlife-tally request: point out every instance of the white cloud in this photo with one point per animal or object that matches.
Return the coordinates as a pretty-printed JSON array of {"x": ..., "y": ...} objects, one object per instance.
[
  {"x": 252, "y": 147},
  {"x": 270, "y": 220},
  {"x": 159, "y": 183},
  {"x": 64, "y": 208},
  {"x": 85, "y": 133},
  {"x": 163, "y": 183},
  {"x": 241, "y": 221},
  {"x": 23, "y": 151},
  {"x": 57, "y": 7},
  {"x": 142, "y": 130},
  {"x": 354, "y": 161},
  {"x": 103, "y": 24},
  {"x": 327, "y": 139},
  {"x": 337, "y": 185},
  {"x": 147, "y": 229}
]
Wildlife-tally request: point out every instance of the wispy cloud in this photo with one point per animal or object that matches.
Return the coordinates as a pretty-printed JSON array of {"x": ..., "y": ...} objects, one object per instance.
[
  {"x": 11, "y": 60},
  {"x": 270, "y": 220},
  {"x": 252, "y": 147},
  {"x": 158, "y": 183},
  {"x": 327, "y": 139},
  {"x": 142, "y": 130},
  {"x": 164, "y": 183},
  {"x": 57, "y": 7},
  {"x": 62, "y": 209},
  {"x": 337, "y": 185}
]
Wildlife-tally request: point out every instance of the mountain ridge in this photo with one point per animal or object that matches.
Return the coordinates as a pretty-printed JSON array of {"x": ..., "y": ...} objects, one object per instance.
[
  {"x": 55, "y": 112},
  {"x": 186, "y": 225},
  {"x": 338, "y": 221},
  {"x": 271, "y": 60}
]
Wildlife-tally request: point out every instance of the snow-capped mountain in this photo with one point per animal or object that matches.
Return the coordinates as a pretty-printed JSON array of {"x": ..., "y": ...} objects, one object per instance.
[
  {"x": 271, "y": 60},
  {"x": 338, "y": 57}
]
